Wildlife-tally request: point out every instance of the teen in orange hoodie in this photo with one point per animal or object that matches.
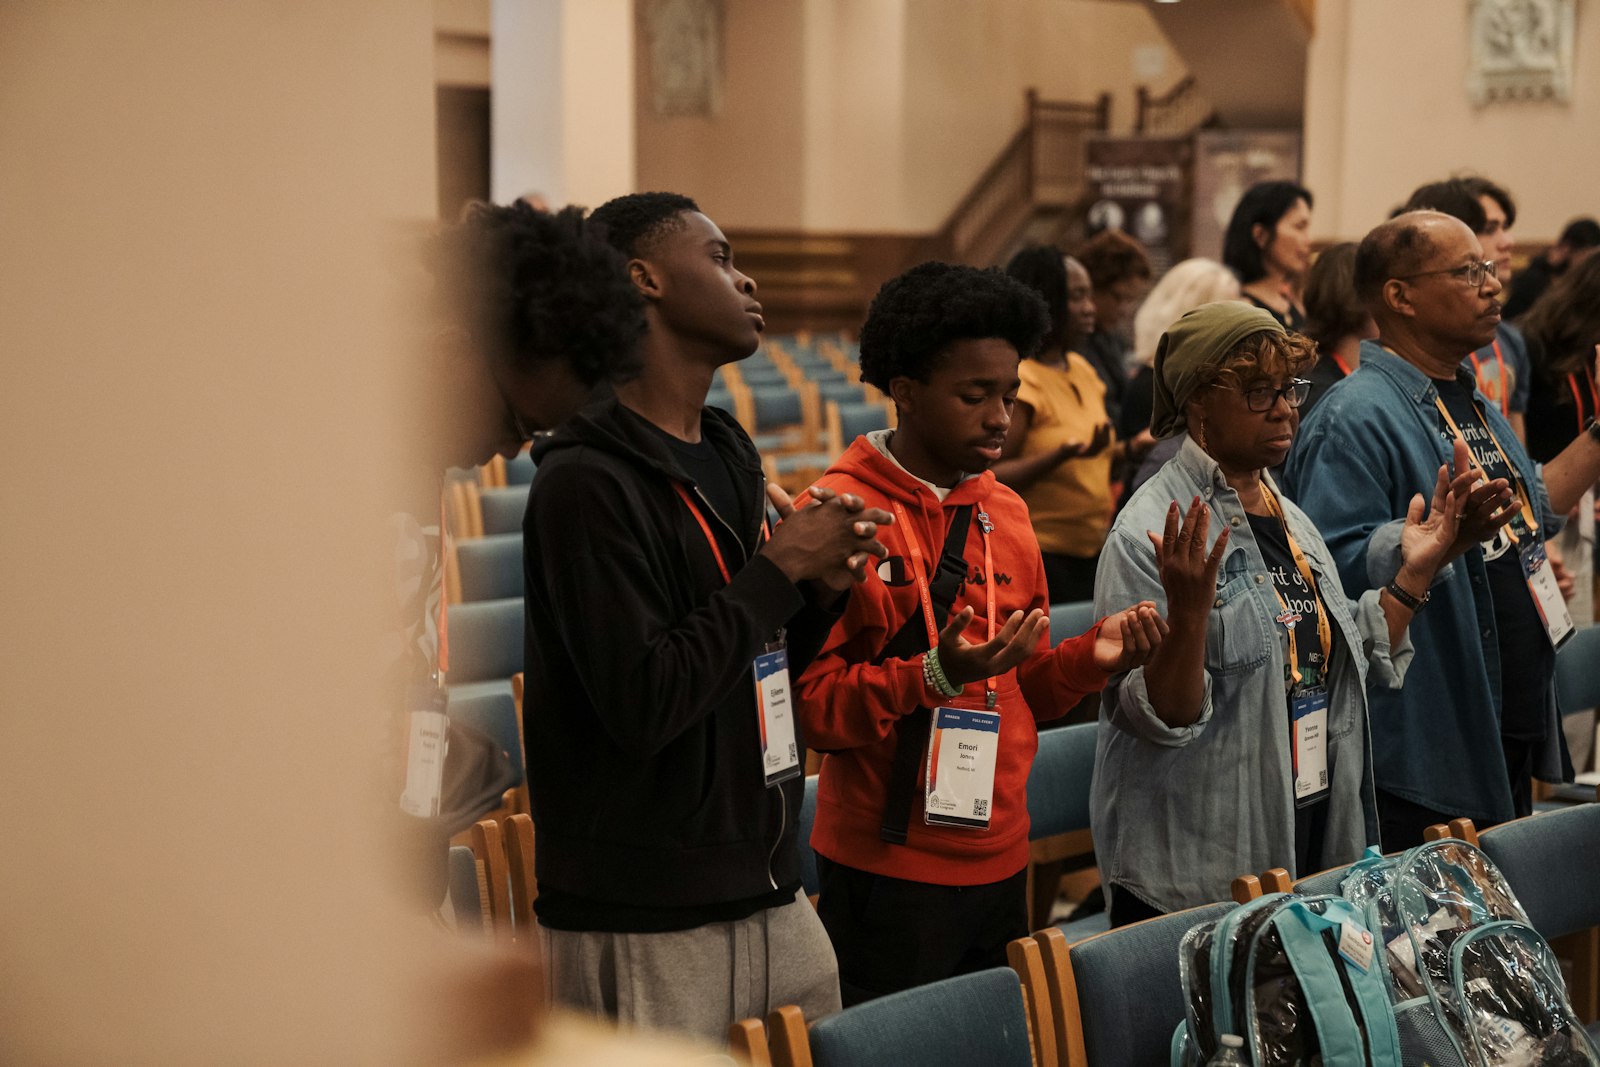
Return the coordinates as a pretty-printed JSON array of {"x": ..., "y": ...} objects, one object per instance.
[{"x": 910, "y": 897}]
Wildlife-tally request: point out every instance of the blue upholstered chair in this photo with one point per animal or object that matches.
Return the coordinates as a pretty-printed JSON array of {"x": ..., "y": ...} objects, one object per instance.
[
  {"x": 493, "y": 712},
  {"x": 1070, "y": 620},
  {"x": 1552, "y": 860},
  {"x": 1322, "y": 882},
  {"x": 503, "y": 508},
  {"x": 1578, "y": 671},
  {"x": 520, "y": 469},
  {"x": 1058, "y": 811},
  {"x": 490, "y": 567},
  {"x": 465, "y": 893},
  {"x": 976, "y": 1018},
  {"x": 1117, "y": 998},
  {"x": 808, "y": 858},
  {"x": 485, "y": 640}
]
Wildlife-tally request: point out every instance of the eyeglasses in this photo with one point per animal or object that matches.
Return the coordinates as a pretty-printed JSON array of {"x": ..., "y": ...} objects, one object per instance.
[
  {"x": 1261, "y": 398},
  {"x": 1471, "y": 273}
]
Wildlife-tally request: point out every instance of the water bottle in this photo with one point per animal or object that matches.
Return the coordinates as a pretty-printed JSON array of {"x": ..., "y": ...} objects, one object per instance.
[{"x": 1230, "y": 1052}]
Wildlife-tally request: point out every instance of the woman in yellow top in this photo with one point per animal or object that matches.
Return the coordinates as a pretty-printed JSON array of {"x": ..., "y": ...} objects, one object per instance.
[{"x": 1060, "y": 447}]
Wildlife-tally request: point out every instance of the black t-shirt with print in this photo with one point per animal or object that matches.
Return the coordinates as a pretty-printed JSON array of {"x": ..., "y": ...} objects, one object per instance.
[
  {"x": 1527, "y": 661},
  {"x": 1297, "y": 598}
]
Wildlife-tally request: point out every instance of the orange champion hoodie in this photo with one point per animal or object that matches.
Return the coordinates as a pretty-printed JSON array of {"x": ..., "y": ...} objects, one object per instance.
[{"x": 848, "y": 707}]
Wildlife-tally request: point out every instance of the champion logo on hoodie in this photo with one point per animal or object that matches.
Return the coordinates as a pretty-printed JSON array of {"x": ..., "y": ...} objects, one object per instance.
[{"x": 975, "y": 577}]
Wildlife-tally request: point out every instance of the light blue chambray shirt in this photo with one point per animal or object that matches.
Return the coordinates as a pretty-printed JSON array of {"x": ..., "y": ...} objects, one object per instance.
[
  {"x": 1179, "y": 813},
  {"x": 1375, "y": 440}
]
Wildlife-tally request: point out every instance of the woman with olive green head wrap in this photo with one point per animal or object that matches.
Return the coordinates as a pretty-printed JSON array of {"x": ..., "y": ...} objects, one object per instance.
[{"x": 1242, "y": 745}]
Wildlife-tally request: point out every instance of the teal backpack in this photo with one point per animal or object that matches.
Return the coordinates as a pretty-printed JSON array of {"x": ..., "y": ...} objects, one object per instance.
[{"x": 1296, "y": 977}]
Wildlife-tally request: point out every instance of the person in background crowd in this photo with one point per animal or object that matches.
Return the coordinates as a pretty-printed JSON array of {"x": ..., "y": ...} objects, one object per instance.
[
  {"x": 662, "y": 622},
  {"x": 1059, "y": 448},
  {"x": 922, "y": 818},
  {"x": 1182, "y": 289},
  {"x": 1577, "y": 241},
  {"x": 1119, "y": 270},
  {"x": 1268, "y": 245},
  {"x": 1563, "y": 333},
  {"x": 1256, "y": 701},
  {"x": 1336, "y": 320},
  {"x": 532, "y": 312},
  {"x": 1476, "y": 720},
  {"x": 1500, "y": 367}
]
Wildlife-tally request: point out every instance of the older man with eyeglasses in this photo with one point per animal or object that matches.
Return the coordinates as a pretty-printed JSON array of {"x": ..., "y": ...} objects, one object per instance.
[{"x": 1476, "y": 720}]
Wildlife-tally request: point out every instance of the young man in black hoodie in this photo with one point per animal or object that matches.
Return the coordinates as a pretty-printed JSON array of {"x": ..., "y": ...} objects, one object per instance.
[{"x": 666, "y": 792}]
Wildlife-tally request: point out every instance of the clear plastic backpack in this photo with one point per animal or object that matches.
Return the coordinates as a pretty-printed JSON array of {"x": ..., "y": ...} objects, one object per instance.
[{"x": 1471, "y": 983}]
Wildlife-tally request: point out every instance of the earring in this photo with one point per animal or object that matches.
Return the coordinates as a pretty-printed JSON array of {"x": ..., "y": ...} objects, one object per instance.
[{"x": 1200, "y": 434}]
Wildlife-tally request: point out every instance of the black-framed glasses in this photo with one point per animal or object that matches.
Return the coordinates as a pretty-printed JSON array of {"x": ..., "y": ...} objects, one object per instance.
[
  {"x": 1471, "y": 273},
  {"x": 1260, "y": 398}
]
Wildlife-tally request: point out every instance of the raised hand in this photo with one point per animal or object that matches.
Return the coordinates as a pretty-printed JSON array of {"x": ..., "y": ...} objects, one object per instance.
[
  {"x": 1430, "y": 533},
  {"x": 1188, "y": 572},
  {"x": 1487, "y": 507},
  {"x": 831, "y": 539},
  {"x": 1128, "y": 639},
  {"x": 964, "y": 663}
]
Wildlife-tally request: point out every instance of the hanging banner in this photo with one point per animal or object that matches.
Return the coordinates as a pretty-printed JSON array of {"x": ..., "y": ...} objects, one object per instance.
[{"x": 1140, "y": 185}]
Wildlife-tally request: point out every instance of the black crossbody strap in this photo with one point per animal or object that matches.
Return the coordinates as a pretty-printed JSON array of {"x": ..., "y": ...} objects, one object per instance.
[{"x": 911, "y": 733}]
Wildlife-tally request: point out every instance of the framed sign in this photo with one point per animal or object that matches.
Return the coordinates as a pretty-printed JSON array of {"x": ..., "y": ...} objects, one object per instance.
[
  {"x": 1226, "y": 163},
  {"x": 1521, "y": 50},
  {"x": 1140, "y": 185}
]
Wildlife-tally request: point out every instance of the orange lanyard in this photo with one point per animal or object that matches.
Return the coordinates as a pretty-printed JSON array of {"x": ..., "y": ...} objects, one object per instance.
[
  {"x": 1338, "y": 361},
  {"x": 919, "y": 572},
  {"x": 1505, "y": 386},
  {"x": 1324, "y": 630},
  {"x": 1516, "y": 481},
  {"x": 711, "y": 538},
  {"x": 1577, "y": 397}
]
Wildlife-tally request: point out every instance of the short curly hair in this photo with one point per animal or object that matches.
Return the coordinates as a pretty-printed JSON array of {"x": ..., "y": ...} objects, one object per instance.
[
  {"x": 633, "y": 223},
  {"x": 1111, "y": 256},
  {"x": 528, "y": 286},
  {"x": 917, "y": 315}
]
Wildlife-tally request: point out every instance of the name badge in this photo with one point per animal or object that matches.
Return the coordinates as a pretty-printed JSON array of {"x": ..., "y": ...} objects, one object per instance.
[
  {"x": 426, "y": 745},
  {"x": 962, "y": 748},
  {"x": 1547, "y": 595},
  {"x": 780, "y": 756},
  {"x": 1309, "y": 711}
]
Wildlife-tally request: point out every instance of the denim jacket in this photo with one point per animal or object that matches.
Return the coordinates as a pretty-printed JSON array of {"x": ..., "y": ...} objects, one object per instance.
[
  {"x": 1178, "y": 813},
  {"x": 1370, "y": 445}
]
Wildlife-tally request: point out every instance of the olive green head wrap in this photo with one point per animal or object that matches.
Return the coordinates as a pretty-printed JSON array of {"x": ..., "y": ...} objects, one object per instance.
[{"x": 1194, "y": 347}]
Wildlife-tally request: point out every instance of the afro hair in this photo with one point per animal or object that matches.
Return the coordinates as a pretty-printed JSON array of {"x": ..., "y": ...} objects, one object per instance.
[
  {"x": 530, "y": 286},
  {"x": 917, "y": 315},
  {"x": 632, "y": 223}
]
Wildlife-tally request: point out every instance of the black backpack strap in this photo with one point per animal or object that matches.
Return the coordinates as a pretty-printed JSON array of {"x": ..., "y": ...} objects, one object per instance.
[{"x": 911, "y": 733}]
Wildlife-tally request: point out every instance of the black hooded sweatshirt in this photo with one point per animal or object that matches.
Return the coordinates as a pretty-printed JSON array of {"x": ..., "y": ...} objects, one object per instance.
[{"x": 639, "y": 704}]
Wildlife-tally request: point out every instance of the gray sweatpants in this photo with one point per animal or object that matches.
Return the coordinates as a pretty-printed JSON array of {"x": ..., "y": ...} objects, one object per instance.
[{"x": 698, "y": 981}]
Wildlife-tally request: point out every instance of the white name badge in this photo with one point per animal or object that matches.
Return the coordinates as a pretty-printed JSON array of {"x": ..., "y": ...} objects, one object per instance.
[
  {"x": 426, "y": 745},
  {"x": 780, "y": 756},
  {"x": 1309, "y": 711},
  {"x": 1547, "y": 595},
  {"x": 962, "y": 749}
]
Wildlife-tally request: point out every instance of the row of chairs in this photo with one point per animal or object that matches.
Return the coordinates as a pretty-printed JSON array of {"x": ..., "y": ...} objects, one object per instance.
[{"x": 1113, "y": 1000}]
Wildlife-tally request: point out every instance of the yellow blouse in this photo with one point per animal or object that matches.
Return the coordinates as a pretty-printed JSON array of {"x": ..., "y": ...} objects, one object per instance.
[{"x": 1071, "y": 505}]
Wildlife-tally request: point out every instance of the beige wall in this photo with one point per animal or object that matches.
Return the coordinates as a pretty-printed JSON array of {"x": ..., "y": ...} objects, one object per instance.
[
  {"x": 199, "y": 344},
  {"x": 878, "y": 115},
  {"x": 1383, "y": 116}
]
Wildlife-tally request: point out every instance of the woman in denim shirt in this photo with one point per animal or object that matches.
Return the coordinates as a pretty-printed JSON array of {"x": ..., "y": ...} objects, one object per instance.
[{"x": 1243, "y": 744}]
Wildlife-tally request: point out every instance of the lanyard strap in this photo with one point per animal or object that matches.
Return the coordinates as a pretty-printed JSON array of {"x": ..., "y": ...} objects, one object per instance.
[
  {"x": 1338, "y": 361},
  {"x": 1505, "y": 386},
  {"x": 1516, "y": 481},
  {"x": 919, "y": 572},
  {"x": 711, "y": 538},
  {"x": 1577, "y": 397},
  {"x": 1324, "y": 629}
]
